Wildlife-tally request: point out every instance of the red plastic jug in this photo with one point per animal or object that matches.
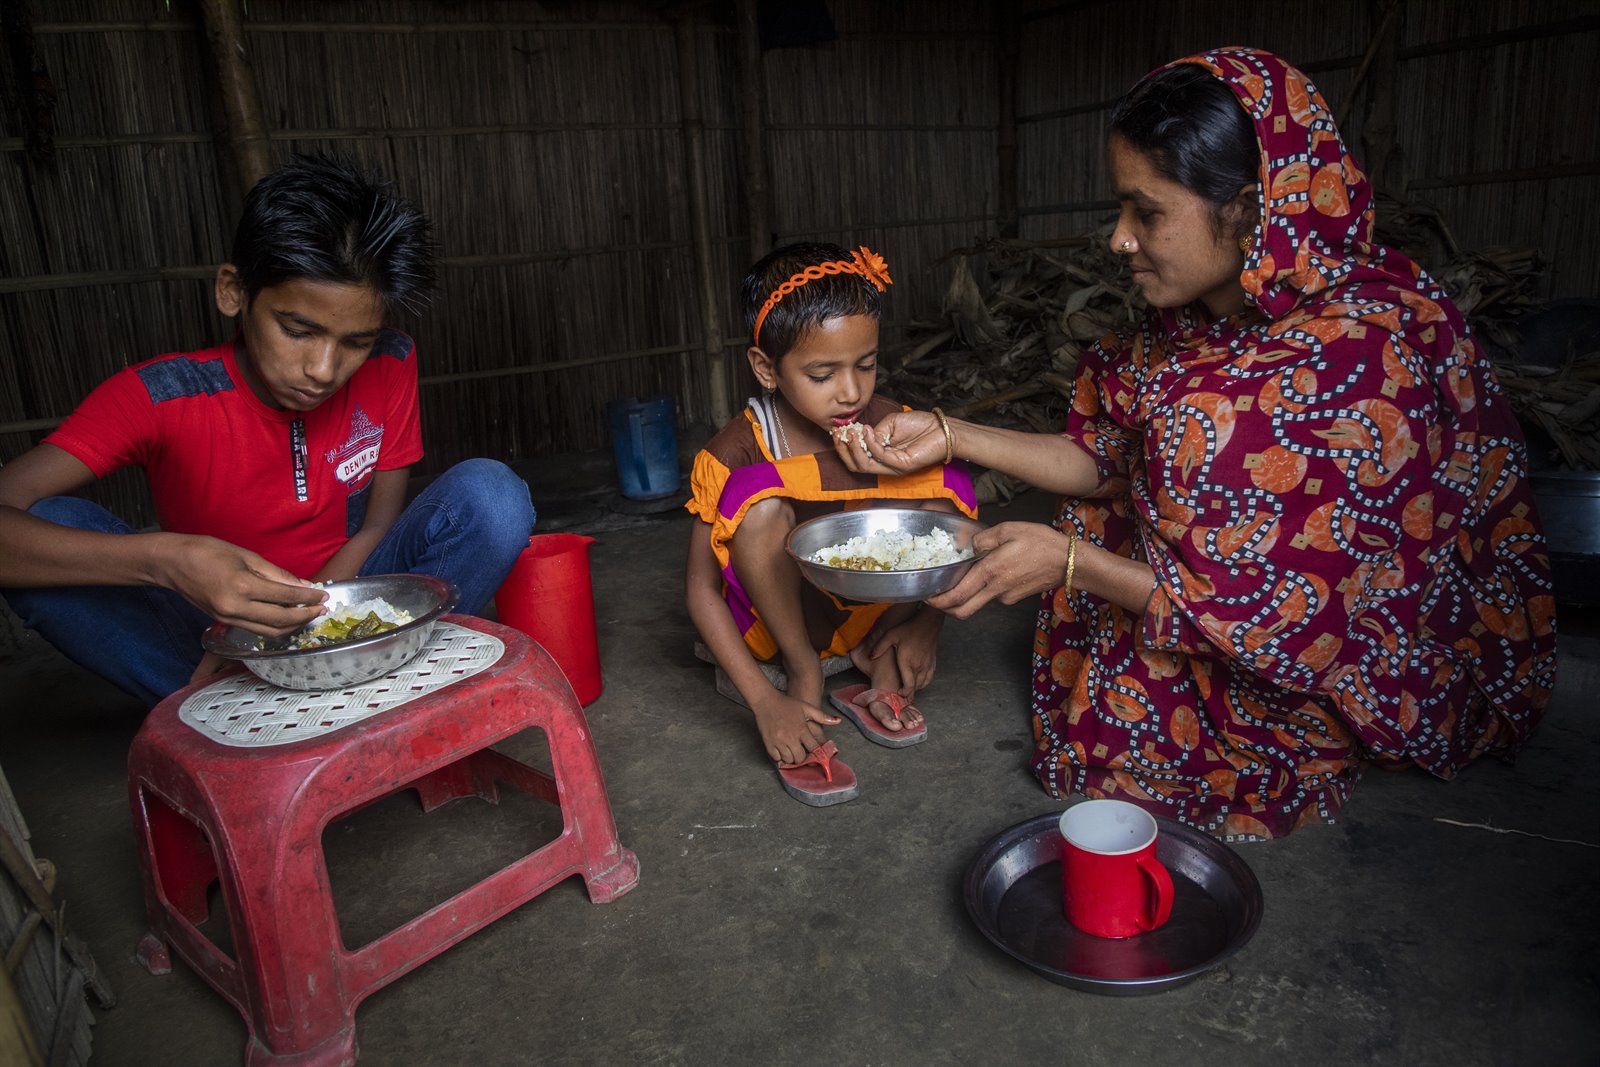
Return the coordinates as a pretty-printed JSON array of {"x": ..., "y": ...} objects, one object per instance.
[{"x": 548, "y": 596}]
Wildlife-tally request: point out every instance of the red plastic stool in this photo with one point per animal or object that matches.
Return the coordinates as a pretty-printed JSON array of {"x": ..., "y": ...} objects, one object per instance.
[{"x": 235, "y": 781}]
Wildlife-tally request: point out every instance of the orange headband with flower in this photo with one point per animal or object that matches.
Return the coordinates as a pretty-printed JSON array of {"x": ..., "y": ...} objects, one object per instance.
[{"x": 862, "y": 261}]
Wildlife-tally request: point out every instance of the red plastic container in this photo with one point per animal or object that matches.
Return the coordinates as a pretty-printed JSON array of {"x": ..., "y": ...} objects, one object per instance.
[{"x": 548, "y": 596}]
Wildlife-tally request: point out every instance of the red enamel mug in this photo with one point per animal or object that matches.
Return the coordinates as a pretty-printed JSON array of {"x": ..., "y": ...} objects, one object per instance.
[{"x": 1112, "y": 885}]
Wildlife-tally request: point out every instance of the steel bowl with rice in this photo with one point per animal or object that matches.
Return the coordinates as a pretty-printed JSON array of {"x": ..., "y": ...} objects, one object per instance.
[
  {"x": 884, "y": 555},
  {"x": 406, "y": 605}
]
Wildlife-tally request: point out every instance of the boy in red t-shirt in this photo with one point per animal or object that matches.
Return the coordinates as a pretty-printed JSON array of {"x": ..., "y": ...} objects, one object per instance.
[{"x": 277, "y": 459}]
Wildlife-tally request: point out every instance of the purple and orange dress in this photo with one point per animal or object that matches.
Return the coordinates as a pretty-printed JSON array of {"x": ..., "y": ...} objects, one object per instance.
[
  {"x": 1332, "y": 493},
  {"x": 739, "y": 467}
]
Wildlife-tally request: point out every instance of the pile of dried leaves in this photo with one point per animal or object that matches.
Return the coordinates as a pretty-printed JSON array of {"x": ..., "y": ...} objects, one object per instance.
[
  {"x": 1017, "y": 315},
  {"x": 1563, "y": 403},
  {"x": 1555, "y": 390}
]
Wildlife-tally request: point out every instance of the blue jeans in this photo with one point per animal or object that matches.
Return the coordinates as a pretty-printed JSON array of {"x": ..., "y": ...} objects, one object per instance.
[{"x": 468, "y": 527}]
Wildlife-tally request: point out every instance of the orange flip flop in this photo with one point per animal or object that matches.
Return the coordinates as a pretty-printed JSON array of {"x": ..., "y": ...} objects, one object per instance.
[
  {"x": 820, "y": 779},
  {"x": 855, "y": 703}
]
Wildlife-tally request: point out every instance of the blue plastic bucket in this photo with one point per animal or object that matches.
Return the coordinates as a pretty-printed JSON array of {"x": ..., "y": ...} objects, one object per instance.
[{"x": 645, "y": 445}]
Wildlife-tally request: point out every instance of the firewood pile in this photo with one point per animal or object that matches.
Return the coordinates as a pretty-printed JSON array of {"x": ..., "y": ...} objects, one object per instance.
[
  {"x": 44, "y": 1018},
  {"x": 1563, "y": 403},
  {"x": 1017, "y": 315}
]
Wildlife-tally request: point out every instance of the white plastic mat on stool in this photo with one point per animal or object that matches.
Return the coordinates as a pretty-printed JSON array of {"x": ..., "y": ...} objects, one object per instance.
[{"x": 246, "y": 712}]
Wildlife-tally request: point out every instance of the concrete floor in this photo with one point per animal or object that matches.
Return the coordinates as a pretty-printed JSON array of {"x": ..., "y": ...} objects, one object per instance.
[{"x": 764, "y": 931}]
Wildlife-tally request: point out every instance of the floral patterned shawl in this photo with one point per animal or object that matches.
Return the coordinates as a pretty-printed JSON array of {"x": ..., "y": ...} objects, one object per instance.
[{"x": 1331, "y": 491}]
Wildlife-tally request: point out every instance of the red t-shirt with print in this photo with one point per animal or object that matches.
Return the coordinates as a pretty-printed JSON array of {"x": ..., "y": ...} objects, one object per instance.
[{"x": 290, "y": 486}]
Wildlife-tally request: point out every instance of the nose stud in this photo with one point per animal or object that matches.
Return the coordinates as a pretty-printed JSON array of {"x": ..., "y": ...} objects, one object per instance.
[{"x": 1125, "y": 246}]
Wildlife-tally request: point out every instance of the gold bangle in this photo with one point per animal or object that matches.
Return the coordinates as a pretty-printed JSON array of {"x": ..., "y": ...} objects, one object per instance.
[
  {"x": 1072, "y": 561},
  {"x": 949, "y": 438}
]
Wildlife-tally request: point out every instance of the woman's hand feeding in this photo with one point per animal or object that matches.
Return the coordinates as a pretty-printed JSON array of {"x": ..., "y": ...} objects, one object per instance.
[{"x": 914, "y": 439}]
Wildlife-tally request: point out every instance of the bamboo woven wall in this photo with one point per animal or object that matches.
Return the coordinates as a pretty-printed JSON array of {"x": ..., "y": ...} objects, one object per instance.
[
  {"x": 546, "y": 143},
  {"x": 888, "y": 138},
  {"x": 1489, "y": 119},
  {"x": 546, "y": 140}
]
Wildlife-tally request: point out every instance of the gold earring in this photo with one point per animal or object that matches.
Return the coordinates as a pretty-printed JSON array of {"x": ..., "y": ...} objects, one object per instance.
[{"x": 1244, "y": 243}]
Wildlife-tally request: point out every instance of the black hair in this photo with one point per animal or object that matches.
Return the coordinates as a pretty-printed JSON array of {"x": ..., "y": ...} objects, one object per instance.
[
  {"x": 1195, "y": 132},
  {"x": 818, "y": 300},
  {"x": 320, "y": 217}
]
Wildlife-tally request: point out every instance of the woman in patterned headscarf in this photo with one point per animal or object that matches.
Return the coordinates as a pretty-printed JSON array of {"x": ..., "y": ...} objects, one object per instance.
[{"x": 1296, "y": 536}]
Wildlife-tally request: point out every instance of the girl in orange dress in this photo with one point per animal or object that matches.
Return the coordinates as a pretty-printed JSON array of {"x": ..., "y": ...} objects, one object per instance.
[{"x": 812, "y": 311}]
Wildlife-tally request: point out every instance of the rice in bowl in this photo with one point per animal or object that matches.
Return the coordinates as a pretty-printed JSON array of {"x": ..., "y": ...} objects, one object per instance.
[
  {"x": 892, "y": 550},
  {"x": 361, "y": 619}
]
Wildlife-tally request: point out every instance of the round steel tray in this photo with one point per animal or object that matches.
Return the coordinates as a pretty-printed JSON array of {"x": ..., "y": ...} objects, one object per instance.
[{"x": 1013, "y": 893}]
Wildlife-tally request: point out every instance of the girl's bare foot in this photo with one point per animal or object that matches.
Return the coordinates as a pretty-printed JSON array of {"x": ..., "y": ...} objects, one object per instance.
[
  {"x": 884, "y": 676},
  {"x": 892, "y": 707}
]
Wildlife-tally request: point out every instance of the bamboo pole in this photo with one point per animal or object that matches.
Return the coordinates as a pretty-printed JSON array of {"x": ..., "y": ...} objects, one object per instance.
[
  {"x": 1062, "y": 209},
  {"x": 1384, "y": 157},
  {"x": 881, "y": 127},
  {"x": 29, "y": 425},
  {"x": 1008, "y": 51},
  {"x": 694, "y": 158},
  {"x": 353, "y": 133},
  {"x": 456, "y": 377},
  {"x": 477, "y": 26},
  {"x": 236, "y": 83},
  {"x": 373, "y": 133},
  {"x": 1517, "y": 174},
  {"x": 442, "y": 27},
  {"x": 1068, "y": 112},
  {"x": 563, "y": 364},
  {"x": 834, "y": 230},
  {"x": 1072, "y": 7},
  {"x": 1386, "y": 11},
  {"x": 15, "y": 863},
  {"x": 752, "y": 90},
  {"x": 18, "y": 1046},
  {"x": 1561, "y": 28},
  {"x": 46, "y": 282}
]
